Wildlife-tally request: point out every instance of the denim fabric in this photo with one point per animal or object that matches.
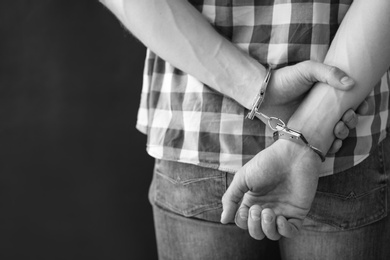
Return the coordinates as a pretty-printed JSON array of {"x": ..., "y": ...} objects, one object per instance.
[
  {"x": 187, "y": 207},
  {"x": 348, "y": 218},
  {"x": 183, "y": 238}
]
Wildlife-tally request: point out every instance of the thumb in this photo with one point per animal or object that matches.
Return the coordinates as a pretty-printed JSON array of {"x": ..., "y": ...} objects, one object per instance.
[
  {"x": 333, "y": 76},
  {"x": 232, "y": 197}
]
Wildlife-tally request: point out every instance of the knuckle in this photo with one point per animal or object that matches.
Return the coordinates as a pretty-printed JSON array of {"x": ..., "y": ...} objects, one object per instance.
[
  {"x": 224, "y": 199},
  {"x": 306, "y": 63},
  {"x": 333, "y": 71},
  {"x": 271, "y": 233},
  {"x": 304, "y": 68},
  {"x": 231, "y": 197},
  {"x": 349, "y": 117},
  {"x": 351, "y": 120}
]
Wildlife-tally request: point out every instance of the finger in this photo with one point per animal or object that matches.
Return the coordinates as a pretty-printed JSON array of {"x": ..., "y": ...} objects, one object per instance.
[
  {"x": 254, "y": 222},
  {"x": 336, "y": 145},
  {"x": 350, "y": 119},
  {"x": 233, "y": 196},
  {"x": 341, "y": 131},
  {"x": 363, "y": 108},
  {"x": 268, "y": 224},
  {"x": 333, "y": 76},
  {"x": 241, "y": 219},
  {"x": 288, "y": 228}
]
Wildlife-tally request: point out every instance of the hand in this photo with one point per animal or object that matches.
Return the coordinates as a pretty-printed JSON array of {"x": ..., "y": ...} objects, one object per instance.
[
  {"x": 288, "y": 86},
  {"x": 347, "y": 122},
  {"x": 279, "y": 184}
]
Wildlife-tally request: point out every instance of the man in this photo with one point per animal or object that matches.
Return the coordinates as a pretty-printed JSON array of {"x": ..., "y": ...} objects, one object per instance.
[{"x": 203, "y": 71}]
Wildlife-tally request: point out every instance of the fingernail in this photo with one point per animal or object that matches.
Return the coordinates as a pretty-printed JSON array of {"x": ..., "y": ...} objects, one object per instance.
[
  {"x": 347, "y": 81},
  {"x": 255, "y": 215},
  {"x": 267, "y": 218}
]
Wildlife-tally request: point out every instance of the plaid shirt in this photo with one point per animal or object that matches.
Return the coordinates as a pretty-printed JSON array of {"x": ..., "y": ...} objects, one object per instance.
[{"x": 189, "y": 122}]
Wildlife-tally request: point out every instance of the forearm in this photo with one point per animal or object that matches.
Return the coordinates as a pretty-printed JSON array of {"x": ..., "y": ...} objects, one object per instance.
[
  {"x": 179, "y": 34},
  {"x": 361, "y": 48}
]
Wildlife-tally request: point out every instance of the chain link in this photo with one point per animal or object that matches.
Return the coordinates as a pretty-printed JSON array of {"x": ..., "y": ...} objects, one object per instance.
[{"x": 276, "y": 124}]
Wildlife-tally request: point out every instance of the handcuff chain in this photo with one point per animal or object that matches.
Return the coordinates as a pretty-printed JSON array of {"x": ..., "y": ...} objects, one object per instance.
[{"x": 276, "y": 124}]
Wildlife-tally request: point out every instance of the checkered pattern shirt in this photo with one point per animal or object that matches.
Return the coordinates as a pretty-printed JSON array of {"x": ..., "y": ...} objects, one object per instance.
[{"x": 189, "y": 122}]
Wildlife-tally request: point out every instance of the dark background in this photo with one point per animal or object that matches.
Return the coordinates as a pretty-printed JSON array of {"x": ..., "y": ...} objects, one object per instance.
[{"x": 74, "y": 173}]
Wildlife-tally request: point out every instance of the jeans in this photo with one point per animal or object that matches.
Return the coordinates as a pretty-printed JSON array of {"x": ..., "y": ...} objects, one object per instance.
[{"x": 348, "y": 219}]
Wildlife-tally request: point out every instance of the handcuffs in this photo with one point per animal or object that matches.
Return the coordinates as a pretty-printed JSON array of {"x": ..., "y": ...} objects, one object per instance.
[
  {"x": 276, "y": 124},
  {"x": 284, "y": 132}
]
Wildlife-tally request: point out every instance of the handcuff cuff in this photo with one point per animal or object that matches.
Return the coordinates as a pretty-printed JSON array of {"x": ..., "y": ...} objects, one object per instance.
[{"x": 282, "y": 131}]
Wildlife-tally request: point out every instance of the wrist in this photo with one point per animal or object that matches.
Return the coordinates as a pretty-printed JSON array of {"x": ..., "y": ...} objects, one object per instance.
[
  {"x": 318, "y": 122},
  {"x": 300, "y": 152},
  {"x": 274, "y": 95},
  {"x": 286, "y": 133},
  {"x": 252, "y": 81},
  {"x": 313, "y": 132}
]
